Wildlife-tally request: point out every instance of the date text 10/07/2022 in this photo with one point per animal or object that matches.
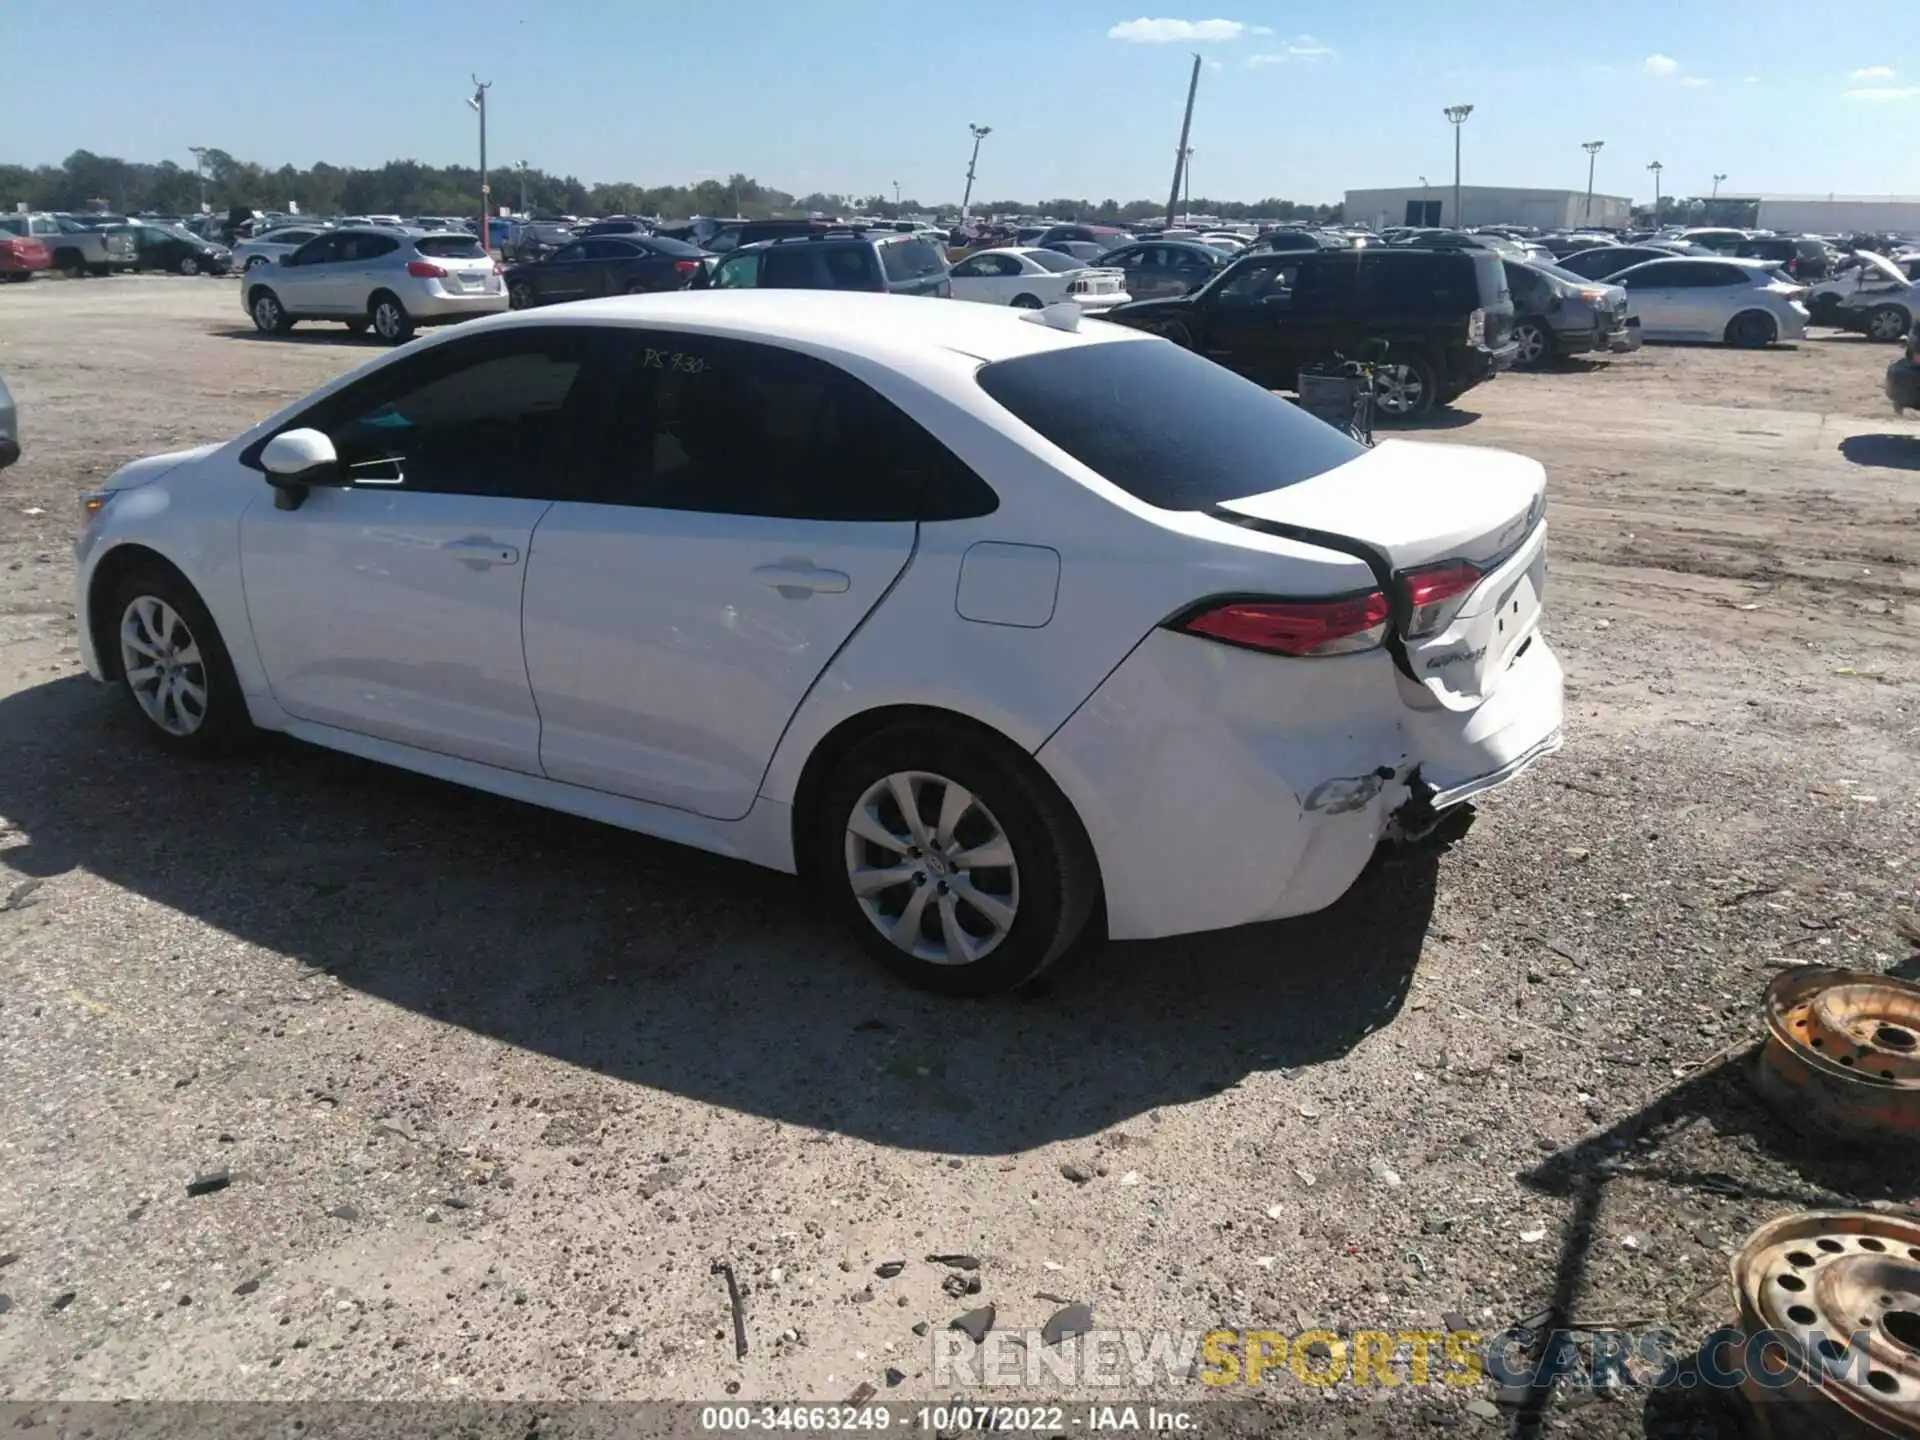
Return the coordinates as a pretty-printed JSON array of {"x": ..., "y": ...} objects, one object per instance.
[{"x": 941, "y": 1419}]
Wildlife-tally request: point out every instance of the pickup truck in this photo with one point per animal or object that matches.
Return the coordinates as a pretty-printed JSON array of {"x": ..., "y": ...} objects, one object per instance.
[{"x": 76, "y": 249}]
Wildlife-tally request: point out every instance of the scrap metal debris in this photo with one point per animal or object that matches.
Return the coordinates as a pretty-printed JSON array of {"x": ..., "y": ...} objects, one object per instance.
[
  {"x": 1843, "y": 1053},
  {"x": 210, "y": 1182},
  {"x": 974, "y": 1324},
  {"x": 1065, "y": 1324},
  {"x": 957, "y": 1262},
  {"x": 887, "y": 1269},
  {"x": 721, "y": 1267},
  {"x": 1816, "y": 1282}
]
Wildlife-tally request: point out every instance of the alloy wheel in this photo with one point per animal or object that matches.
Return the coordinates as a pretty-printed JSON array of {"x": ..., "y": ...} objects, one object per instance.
[
  {"x": 520, "y": 297},
  {"x": 266, "y": 313},
  {"x": 1887, "y": 324},
  {"x": 931, "y": 868},
  {"x": 1398, "y": 389},
  {"x": 189, "y": 265},
  {"x": 1532, "y": 344},
  {"x": 388, "y": 320},
  {"x": 161, "y": 661}
]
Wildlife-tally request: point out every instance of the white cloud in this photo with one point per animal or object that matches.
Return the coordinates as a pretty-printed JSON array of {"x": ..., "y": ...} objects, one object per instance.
[
  {"x": 1694, "y": 82},
  {"x": 1872, "y": 72},
  {"x": 1301, "y": 47},
  {"x": 1751, "y": 80},
  {"x": 1882, "y": 94},
  {"x": 1660, "y": 65},
  {"x": 1180, "y": 32}
]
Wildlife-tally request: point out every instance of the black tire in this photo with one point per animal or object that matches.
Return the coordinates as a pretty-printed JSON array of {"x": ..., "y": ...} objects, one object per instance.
[
  {"x": 357, "y": 327},
  {"x": 269, "y": 315},
  {"x": 390, "y": 319},
  {"x": 1888, "y": 322},
  {"x": 188, "y": 265},
  {"x": 1751, "y": 330},
  {"x": 522, "y": 296},
  {"x": 1054, "y": 880},
  {"x": 1405, "y": 388},
  {"x": 1026, "y": 302},
  {"x": 223, "y": 724},
  {"x": 101, "y": 272},
  {"x": 70, "y": 263},
  {"x": 1535, "y": 342}
]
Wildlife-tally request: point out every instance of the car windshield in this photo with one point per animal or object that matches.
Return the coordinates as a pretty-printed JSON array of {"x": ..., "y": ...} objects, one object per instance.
[
  {"x": 1167, "y": 426},
  {"x": 1053, "y": 260}
]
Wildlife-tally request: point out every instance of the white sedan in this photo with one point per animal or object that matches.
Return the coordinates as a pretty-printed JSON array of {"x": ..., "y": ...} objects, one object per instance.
[
  {"x": 998, "y": 629},
  {"x": 266, "y": 249},
  {"x": 1028, "y": 277},
  {"x": 1743, "y": 303}
]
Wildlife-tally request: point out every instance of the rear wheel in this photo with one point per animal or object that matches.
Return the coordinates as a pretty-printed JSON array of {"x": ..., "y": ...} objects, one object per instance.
[
  {"x": 1751, "y": 330},
  {"x": 390, "y": 319},
  {"x": 1534, "y": 345},
  {"x": 952, "y": 859},
  {"x": 174, "y": 666},
  {"x": 70, "y": 263},
  {"x": 1888, "y": 322},
  {"x": 1405, "y": 389}
]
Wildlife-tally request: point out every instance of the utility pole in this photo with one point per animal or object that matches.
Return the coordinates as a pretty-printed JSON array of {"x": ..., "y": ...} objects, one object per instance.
[
  {"x": 1592, "y": 147},
  {"x": 1458, "y": 115},
  {"x": 1186, "y": 177},
  {"x": 522, "y": 168},
  {"x": 1180, "y": 154},
  {"x": 199, "y": 153},
  {"x": 1656, "y": 167},
  {"x": 896, "y": 199},
  {"x": 478, "y": 100},
  {"x": 980, "y": 132}
]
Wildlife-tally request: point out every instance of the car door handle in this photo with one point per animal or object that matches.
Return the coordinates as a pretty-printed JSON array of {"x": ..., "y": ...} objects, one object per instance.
[
  {"x": 480, "y": 551},
  {"x": 797, "y": 579}
]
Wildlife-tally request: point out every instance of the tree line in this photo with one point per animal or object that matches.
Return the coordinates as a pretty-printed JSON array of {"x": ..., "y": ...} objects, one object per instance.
[{"x": 86, "y": 181}]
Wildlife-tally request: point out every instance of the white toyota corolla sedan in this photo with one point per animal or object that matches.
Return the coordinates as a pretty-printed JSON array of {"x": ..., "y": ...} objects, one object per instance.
[{"x": 999, "y": 627}]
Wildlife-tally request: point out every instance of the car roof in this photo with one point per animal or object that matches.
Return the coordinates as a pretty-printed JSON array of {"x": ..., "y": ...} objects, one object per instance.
[{"x": 892, "y": 329}]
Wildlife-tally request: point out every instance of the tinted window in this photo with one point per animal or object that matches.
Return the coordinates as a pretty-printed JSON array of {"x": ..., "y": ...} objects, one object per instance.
[
  {"x": 1165, "y": 425},
  {"x": 1657, "y": 273},
  {"x": 731, "y": 427},
  {"x": 1053, "y": 260},
  {"x": 1248, "y": 283},
  {"x": 852, "y": 267},
  {"x": 912, "y": 259},
  {"x": 673, "y": 249},
  {"x": 317, "y": 251},
  {"x": 1727, "y": 275},
  {"x": 604, "y": 249},
  {"x": 366, "y": 247},
  {"x": 789, "y": 268},
  {"x": 575, "y": 251},
  {"x": 481, "y": 427},
  {"x": 450, "y": 247}
]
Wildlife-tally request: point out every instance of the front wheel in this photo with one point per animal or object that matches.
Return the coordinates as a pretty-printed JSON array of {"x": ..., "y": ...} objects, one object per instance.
[
  {"x": 1751, "y": 331},
  {"x": 1532, "y": 343},
  {"x": 188, "y": 265},
  {"x": 1404, "y": 389},
  {"x": 952, "y": 859},
  {"x": 1026, "y": 302},
  {"x": 1888, "y": 322},
  {"x": 269, "y": 315},
  {"x": 522, "y": 296},
  {"x": 174, "y": 666}
]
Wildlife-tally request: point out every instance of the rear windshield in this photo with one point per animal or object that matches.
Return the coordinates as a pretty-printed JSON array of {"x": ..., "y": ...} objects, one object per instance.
[
  {"x": 450, "y": 247},
  {"x": 911, "y": 259},
  {"x": 1170, "y": 428},
  {"x": 1053, "y": 260},
  {"x": 672, "y": 249}
]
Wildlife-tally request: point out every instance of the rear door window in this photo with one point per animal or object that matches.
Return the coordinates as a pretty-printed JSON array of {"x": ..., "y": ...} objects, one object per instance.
[
  {"x": 852, "y": 267},
  {"x": 913, "y": 259},
  {"x": 789, "y": 268},
  {"x": 1167, "y": 426}
]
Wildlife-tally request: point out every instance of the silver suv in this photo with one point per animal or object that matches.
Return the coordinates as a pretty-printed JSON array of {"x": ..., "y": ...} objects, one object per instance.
[{"x": 380, "y": 276}]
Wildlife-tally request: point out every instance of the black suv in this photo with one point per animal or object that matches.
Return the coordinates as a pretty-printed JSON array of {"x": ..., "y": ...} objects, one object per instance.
[
  {"x": 1446, "y": 315},
  {"x": 882, "y": 261}
]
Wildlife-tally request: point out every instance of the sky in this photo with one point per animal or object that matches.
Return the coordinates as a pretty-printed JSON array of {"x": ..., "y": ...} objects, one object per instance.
[{"x": 1299, "y": 101}]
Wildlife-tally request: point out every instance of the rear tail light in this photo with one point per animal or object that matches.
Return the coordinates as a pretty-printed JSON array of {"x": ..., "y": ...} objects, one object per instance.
[
  {"x": 685, "y": 267},
  {"x": 1340, "y": 626},
  {"x": 425, "y": 270},
  {"x": 1477, "y": 328},
  {"x": 1434, "y": 594}
]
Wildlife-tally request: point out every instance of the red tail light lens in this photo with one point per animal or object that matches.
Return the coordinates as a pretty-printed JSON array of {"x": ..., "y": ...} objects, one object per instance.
[
  {"x": 1435, "y": 593},
  {"x": 685, "y": 267},
  {"x": 425, "y": 270},
  {"x": 1296, "y": 627}
]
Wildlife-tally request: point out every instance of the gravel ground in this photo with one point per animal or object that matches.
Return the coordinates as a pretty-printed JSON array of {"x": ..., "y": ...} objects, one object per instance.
[{"x": 495, "y": 1088}]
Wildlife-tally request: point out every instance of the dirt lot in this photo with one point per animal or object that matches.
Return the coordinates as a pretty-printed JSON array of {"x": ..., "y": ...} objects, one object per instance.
[{"x": 496, "y": 1088}]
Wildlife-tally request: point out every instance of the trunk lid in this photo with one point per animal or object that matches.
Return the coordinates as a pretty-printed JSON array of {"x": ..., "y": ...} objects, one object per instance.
[{"x": 1414, "y": 510}]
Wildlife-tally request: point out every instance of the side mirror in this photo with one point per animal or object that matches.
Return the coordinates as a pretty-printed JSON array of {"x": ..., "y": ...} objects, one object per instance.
[{"x": 296, "y": 460}]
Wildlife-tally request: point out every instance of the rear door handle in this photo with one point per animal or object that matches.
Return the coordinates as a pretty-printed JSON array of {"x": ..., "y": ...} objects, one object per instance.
[
  {"x": 797, "y": 579},
  {"x": 481, "y": 551}
]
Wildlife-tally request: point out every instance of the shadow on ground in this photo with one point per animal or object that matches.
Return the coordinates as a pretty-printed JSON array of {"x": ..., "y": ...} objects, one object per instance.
[
  {"x": 317, "y": 332},
  {"x": 1442, "y": 417},
  {"x": 656, "y": 964},
  {"x": 1891, "y": 452}
]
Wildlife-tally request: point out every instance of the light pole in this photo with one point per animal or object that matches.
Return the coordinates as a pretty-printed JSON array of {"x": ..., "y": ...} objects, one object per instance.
[
  {"x": 1186, "y": 177},
  {"x": 1458, "y": 115},
  {"x": 522, "y": 168},
  {"x": 1656, "y": 167},
  {"x": 199, "y": 153},
  {"x": 1592, "y": 147},
  {"x": 1716, "y": 186},
  {"x": 478, "y": 100},
  {"x": 980, "y": 132},
  {"x": 896, "y": 197}
]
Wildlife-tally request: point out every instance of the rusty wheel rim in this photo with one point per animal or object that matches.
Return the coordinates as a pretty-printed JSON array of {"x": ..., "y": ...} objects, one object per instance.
[
  {"x": 1819, "y": 1281},
  {"x": 1845, "y": 1044}
]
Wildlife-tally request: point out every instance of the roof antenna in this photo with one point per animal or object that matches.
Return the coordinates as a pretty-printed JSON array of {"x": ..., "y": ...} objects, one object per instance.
[{"x": 1060, "y": 315}]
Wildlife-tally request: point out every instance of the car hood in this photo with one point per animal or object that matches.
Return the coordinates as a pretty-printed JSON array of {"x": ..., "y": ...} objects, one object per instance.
[
  {"x": 1879, "y": 267},
  {"x": 1148, "y": 309},
  {"x": 143, "y": 472}
]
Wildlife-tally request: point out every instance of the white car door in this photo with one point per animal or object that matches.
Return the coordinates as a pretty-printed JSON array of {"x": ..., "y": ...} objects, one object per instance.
[
  {"x": 989, "y": 277},
  {"x": 749, "y": 508},
  {"x": 1663, "y": 303},
  {"x": 388, "y": 603}
]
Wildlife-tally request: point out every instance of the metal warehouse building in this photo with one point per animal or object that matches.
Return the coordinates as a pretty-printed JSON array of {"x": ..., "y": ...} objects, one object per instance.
[
  {"x": 1485, "y": 205},
  {"x": 1841, "y": 214}
]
